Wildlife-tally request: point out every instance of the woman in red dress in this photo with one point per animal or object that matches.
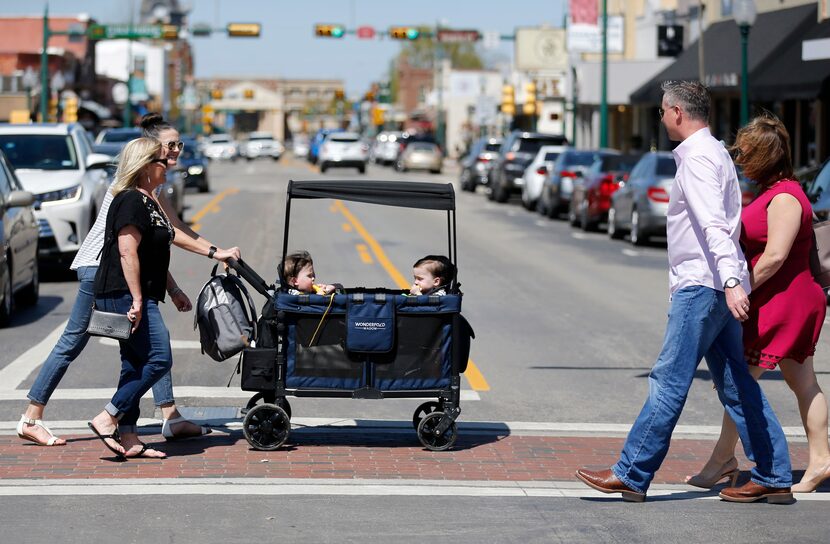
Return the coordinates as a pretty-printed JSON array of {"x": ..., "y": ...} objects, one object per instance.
[{"x": 787, "y": 306}]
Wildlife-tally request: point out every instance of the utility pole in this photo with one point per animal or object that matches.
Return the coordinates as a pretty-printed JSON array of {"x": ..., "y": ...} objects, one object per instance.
[
  {"x": 44, "y": 68},
  {"x": 700, "y": 60},
  {"x": 603, "y": 107}
]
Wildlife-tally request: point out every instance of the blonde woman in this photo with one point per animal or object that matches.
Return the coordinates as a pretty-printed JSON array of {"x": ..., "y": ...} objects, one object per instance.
[{"x": 132, "y": 279}]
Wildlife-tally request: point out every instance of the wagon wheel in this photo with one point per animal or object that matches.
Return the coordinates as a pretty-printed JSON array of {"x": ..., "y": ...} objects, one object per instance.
[
  {"x": 423, "y": 410},
  {"x": 431, "y": 441},
  {"x": 266, "y": 427},
  {"x": 268, "y": 397}
]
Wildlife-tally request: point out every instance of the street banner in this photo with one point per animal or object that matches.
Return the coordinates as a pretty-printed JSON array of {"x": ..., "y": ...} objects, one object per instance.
[
  {"x": 584, "y": 12},
  {"x": 587, "y": 38}
]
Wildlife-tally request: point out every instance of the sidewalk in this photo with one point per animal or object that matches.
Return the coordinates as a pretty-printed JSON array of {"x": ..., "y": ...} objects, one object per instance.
[{"x": 364, "y": 452}]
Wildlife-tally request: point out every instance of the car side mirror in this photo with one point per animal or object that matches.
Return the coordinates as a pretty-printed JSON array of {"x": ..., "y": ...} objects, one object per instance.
[
  {"x": 19, "y": 199},
  {"x": 98, "y": 161}
]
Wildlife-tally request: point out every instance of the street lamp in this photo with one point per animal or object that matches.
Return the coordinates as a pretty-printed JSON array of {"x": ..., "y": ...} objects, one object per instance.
[{"x": 745, "y": 13}]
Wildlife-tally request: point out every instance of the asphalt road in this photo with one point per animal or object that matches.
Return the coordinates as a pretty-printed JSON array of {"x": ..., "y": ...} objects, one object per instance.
[{"x": 567, "y": 327}]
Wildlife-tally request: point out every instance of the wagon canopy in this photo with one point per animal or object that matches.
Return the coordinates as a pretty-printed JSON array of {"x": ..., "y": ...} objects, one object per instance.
[{"x": 405, "y": 194}]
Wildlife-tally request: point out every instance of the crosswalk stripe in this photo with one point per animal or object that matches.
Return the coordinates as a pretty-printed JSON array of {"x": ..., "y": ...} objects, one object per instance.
[{"x": 13, "y": 374}]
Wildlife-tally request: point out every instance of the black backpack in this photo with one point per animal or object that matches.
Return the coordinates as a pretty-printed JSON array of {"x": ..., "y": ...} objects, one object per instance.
[{"x": 226, "y": 325}]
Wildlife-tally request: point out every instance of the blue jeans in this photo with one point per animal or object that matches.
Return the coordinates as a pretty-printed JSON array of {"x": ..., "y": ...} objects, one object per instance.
[
  {"x": 72, "y": 343},
  {"x": 146, "y": 356},
  {"x": 700, "y": 324}
]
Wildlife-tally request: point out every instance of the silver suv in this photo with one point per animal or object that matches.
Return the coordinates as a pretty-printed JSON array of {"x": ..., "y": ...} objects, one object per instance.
[{"x": 55, "y": 163}]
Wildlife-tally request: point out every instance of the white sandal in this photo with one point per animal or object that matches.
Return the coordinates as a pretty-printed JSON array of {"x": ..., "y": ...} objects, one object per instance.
[
  {"x": 167, "y": 429},
  {"x": 25, "y": 436}
]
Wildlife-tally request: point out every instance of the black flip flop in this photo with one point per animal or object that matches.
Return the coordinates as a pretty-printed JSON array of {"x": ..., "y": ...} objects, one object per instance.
[
  {"x": 114, "y": 436},
  {"x": 145, "y": 447}
]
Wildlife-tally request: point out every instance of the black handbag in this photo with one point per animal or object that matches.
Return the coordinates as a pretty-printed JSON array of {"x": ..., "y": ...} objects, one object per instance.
[{"x": 109, "y": 324}]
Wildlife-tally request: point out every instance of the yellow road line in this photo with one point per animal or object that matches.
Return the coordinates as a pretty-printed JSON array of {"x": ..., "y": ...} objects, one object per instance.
[
  {"x": 365, "y": 256},
  {"x": 347, "y": 227},
  {"x": 210, "y": 207},
  {"x": 473, "y": 374}
]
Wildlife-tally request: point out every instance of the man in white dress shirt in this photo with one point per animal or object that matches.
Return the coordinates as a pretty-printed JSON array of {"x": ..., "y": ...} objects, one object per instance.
[{"x": 708, "y": 282}]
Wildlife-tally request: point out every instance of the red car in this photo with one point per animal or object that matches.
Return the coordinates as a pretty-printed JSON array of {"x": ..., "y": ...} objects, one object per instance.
[{"x": 591, "y": 197}]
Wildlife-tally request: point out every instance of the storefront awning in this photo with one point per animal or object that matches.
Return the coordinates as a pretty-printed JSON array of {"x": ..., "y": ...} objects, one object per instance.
[
  {"x": 772, "y": 32},
  {"x": 788, "y": 77}
]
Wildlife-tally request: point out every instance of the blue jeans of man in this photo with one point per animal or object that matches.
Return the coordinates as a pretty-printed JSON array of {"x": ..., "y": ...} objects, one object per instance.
[
  {"x": 700, "y": 324},
  {"x": 72, "y": 342},
  {"x": 146, "y": 356}
]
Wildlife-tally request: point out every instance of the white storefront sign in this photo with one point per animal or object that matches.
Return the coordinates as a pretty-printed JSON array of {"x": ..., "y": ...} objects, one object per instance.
[{"x": 584, "y": 38}]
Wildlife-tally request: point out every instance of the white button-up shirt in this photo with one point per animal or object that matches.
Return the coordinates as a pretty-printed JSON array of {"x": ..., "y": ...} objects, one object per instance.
[{"x": 704, "y": 216}]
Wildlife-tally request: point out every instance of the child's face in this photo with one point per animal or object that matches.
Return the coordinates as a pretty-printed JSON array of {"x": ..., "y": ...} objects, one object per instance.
[
  {"x": 304, "y": 280},
  {"x": 424, "y": 281}
]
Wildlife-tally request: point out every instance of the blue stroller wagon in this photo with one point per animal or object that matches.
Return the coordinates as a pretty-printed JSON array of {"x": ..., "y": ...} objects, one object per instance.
[{"x": 362, "y": 343}]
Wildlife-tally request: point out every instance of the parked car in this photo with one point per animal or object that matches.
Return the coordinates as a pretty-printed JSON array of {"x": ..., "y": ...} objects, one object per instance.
[
  {"x": 817, "y": 186},
  {"x": 317, "y": 141},
  {"x": 421, "y": 156},
  {"x": 639, "y": 206},
  {"x": 299, "y": 147},
  {"x": 19, "y": 277},
  {"x": 516, "y": 152},
  {"x": 110, "y": 141},
  {"x": 410, "y": 138},
  {"x": 173, "y": 189},
  {"x": 591, "y": 198},
  {"x": 220, "y": 147},
  {"x": 344, "y": 149},
  {"x": 386, "y": 147},
  {"x": 556, "y": 192},
  {"x": 69, "y": 181},
  {"x": 193, "y": 166},
  {"x": 534, "y": 177},
  {"x": 475, "y": 166},
  {"x": 261, "y": 144}
]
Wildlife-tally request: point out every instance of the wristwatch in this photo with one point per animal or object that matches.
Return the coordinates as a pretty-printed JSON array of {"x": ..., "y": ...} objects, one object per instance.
[
  {"x": 731, "y": 282},
  {"x": 211, "y": 252}
]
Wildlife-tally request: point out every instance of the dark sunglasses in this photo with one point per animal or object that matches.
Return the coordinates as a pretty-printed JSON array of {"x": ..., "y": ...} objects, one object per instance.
[{"x": 174, "y": 146}]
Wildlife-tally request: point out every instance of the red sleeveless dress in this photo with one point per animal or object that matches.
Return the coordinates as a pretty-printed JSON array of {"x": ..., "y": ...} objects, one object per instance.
[{"x": 787, "y": 311}]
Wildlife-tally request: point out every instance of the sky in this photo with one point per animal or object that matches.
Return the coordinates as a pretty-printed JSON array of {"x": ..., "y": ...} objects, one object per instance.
[{"x": 288, "y": 48}]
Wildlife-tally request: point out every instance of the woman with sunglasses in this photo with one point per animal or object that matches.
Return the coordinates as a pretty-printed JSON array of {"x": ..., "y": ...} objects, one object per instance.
[
  {"x": 74, "y": 338},
  {"x": 131, "y": 279}
]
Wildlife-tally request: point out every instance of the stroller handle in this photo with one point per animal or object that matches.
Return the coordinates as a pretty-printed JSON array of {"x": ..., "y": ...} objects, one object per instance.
[{"x": 248, "y": 273}]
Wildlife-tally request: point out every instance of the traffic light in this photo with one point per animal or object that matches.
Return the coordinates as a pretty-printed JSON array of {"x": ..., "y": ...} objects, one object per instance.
[
  {"x": 329, "y": 31},
  {"x": 169, "y": 32},
  {"x": 70, "y": 110},
  {"x": 508, "y": 100},
  {"x": 338, "y": 94},
  {"x": 378, "y": 116},
  {"x": 369, "y": 96},
  {"x": 404, "y": 33},
  {"x": 529, "y": 107},
  {"x": 248, "y": 93},
  {"x": 53, "y": 111},
  {"x": 244, "y": 30},
  {"x": 216, "y": 94}
]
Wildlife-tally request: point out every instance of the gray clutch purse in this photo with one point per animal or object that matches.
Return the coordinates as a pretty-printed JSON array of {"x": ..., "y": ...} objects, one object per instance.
[{"x": 109, "y": 324}]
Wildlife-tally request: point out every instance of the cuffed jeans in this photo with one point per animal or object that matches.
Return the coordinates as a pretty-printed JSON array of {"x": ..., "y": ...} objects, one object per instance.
[
  {"x": 72, "y": 343},
  {"x": 700, "y": 324},
  {"x": 146, "y": 356}
]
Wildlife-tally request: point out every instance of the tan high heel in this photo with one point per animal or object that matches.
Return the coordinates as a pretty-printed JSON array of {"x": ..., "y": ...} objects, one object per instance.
[
  {"x": 731, "y": 473},
  {"x": 811, "y": 485}
]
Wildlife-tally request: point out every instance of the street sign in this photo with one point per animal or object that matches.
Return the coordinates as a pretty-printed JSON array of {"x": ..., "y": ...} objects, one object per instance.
[
  {"x": 124, "y": 32},
  {"x": 446, "y": 35},
  {"x": 365, "y": 32},
  {"x": 491, "y": 39}
]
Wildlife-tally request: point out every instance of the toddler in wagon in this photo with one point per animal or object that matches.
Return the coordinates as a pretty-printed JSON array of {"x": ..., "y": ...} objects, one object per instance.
[
  {"x": 298, "y": 271},
  {"x": 432, "y": 275}
]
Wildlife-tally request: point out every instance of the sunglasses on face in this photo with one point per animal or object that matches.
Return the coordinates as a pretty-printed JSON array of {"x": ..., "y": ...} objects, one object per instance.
[
  {"x": 173, "y": 145},
  {"x": 661, "y": 112}
]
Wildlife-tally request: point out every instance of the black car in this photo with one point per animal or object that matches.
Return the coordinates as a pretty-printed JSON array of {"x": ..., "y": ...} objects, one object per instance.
[
  {"x": 475, "y": 166},
  {"x": 193, "y": 166},
  {"x": 516, "y": 153},
  {"x": 112, "y": 141}
]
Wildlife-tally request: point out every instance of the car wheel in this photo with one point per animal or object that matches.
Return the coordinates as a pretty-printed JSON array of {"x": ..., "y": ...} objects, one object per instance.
[
  {"x": 464, "y": 181},
  {"x": 500, "y": 193},
  {"x": 204, "y": 188},
  {"x": 323, "y": 167},
  {"x": 7, "y": 303},
  {"x": 553, "y": 207},
  {"x": 28, "y": 295},
  {"x": 573, "y": 219},
  {"x": 613, "y": 231},
  {"x": 637, "y": 236},
  {"x": 435, "y": 171},
  {"x": 585, "y": 222},
  {"x": 361, "y": 169}
]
